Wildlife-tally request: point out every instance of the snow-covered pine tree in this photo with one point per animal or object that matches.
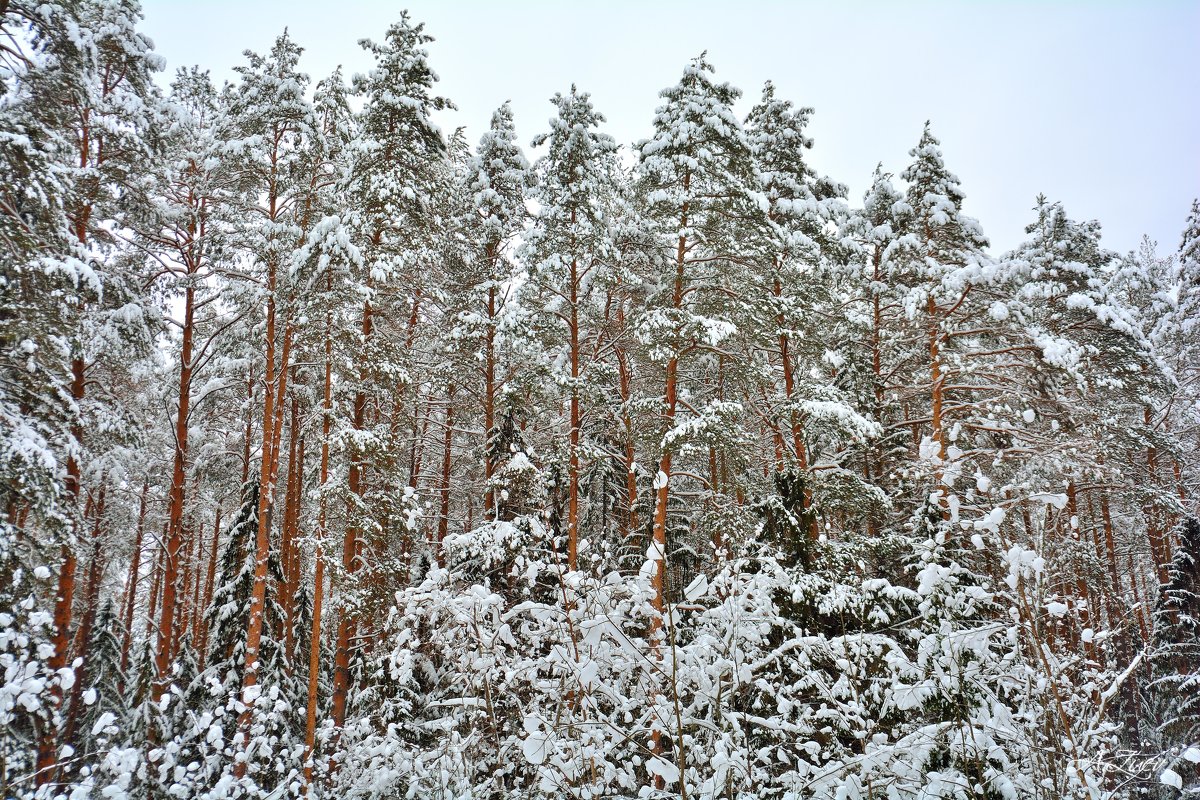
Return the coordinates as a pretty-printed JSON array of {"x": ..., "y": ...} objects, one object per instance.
[
  {"x": 786, "y": 300},
  {"x": 396, "y": 165},
  {"x": 496, "y": 179},
  {"x": 569, "y": 250},
  {"x": 697, "y": 181}
]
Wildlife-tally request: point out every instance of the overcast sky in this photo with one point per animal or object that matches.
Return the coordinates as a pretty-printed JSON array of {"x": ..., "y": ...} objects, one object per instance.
[{"x": 1096, "y": 104}]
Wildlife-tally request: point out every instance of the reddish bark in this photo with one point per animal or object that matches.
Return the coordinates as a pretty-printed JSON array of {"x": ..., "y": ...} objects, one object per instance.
[
  {"x": 47, "y": 756},
  {"x": 662, "y": 481},
  {"x": 291, "y": 494},
  {"x": 575, "y": 421},
  {"x": 131, "y": 583},
  {"x": 175, "y": 533},
  {"x": 1160, "y": 547},
  {"x": 91, "y": 601},
  {"x": 210, "y": 580},
  {"x": 794, "y": 421},
  {"x": 937, "y": 385},
  {"x": 351, "y": 547},
  {"x": 314, "y": 653},
  {"x": 444, "y": 487}
]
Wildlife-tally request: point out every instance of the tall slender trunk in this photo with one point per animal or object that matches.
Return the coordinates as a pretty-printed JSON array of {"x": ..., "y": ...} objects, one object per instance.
[
  {"x": 91, "y": 602},
  {"x": 489, "y": 398},
  {"x": 937, "y": 399},
  {"x": 152, "y": 602},
  {"x": 174, "y": 543},
  {"x": 875, "y": 469},
  {"x": 197, "y": 615},
  {"x": 794, "y": 422},
  {"x": 444, "y": 487},
  {"x": 47, "y": 756},
  {"x": 209, "y": 583},
  {"x": 314, "y": 652},
  {"x": 662, "y": 481},
  {"x": 1159, "y": 545},
  {"x": 248, "y": 436},
  {"x": 351, "y": 546},
  {"x": 417, "y": 451},
  {"x": 262, "y": 539},
  {"x": 131, "y": 583},
  {"x": 625, "y": 387},
  {"x": 573, "y": 466},
  {"x": 1081, "y": 587},
  {"x": 186, "y": 574},
  {"x": 290, "y": 501},
  {"x": 1129, "y": 691}
]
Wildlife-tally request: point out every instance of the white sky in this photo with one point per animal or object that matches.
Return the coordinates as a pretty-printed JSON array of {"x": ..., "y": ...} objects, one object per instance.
[{"x": 1095, "y": 104}]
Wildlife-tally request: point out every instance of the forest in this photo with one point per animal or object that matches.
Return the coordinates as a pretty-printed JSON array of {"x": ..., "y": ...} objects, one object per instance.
[{"x": 346, "y": 457}]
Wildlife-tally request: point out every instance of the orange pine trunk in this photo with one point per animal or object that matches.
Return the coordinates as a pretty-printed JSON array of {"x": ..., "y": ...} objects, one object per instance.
[
  {"x": 314, "y": 652},
  {"x": 626, "y": 390},
  {"x": 174, "y": 543},
  {"x": 489, "y": 403},
  {"x": 210, "y": 580},
  {"x": 47, "y": 756},
  {"x": 444, "y": 488},
  {"x": 351, "y": 546},
  {"x": 131, "y": 584},
  {"x": 289, "y": 512},
  {"x": 938, "y": 434},
  {"x": 573, "y": 466}
]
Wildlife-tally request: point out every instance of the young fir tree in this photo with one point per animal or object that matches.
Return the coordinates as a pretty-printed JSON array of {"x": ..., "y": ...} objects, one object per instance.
[
  {"x": 275, "y": 728},
  {"x": 1175, "y": 661}
]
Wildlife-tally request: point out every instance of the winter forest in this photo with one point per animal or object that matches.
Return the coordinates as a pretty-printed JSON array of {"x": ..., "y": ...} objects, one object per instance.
[{"x": 345, "y": 457}]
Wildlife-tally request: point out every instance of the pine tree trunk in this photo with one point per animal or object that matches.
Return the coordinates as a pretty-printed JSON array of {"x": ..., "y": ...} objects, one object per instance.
[
  {"x": 248, "y": 437},
  {"x": 209, "y": 585},
  {"x": 174, "y": 543},
  {"x": 573, "y": 467},
  {"x": 1129, "y": 691},
  {"x": 1159, "y": 546},
  {"x": 288, "y": 530},
  {"x": 662, "y": 480},
  {"x": 444, "y": 488},
  {"x": 197, "y": 615},
  {"x": 938, "y": 434},
  {"x": 351, "y": 546},
  {"x": 489, "y": 401},
  {"x": 47, "y": 756},
  {"x": 875, "y": 474},
  {"x": 152, "y": 603},
  {"x": 417, "y": 451},
  {"x": 262, "y": 540},
  {"x": 1081, "y": 586},
  {"x": 626, "y": 390},
  {"x": 131, "y": 583},
  {"x": 91, "y": 602},
  {"x": 314, "y": 652}
]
